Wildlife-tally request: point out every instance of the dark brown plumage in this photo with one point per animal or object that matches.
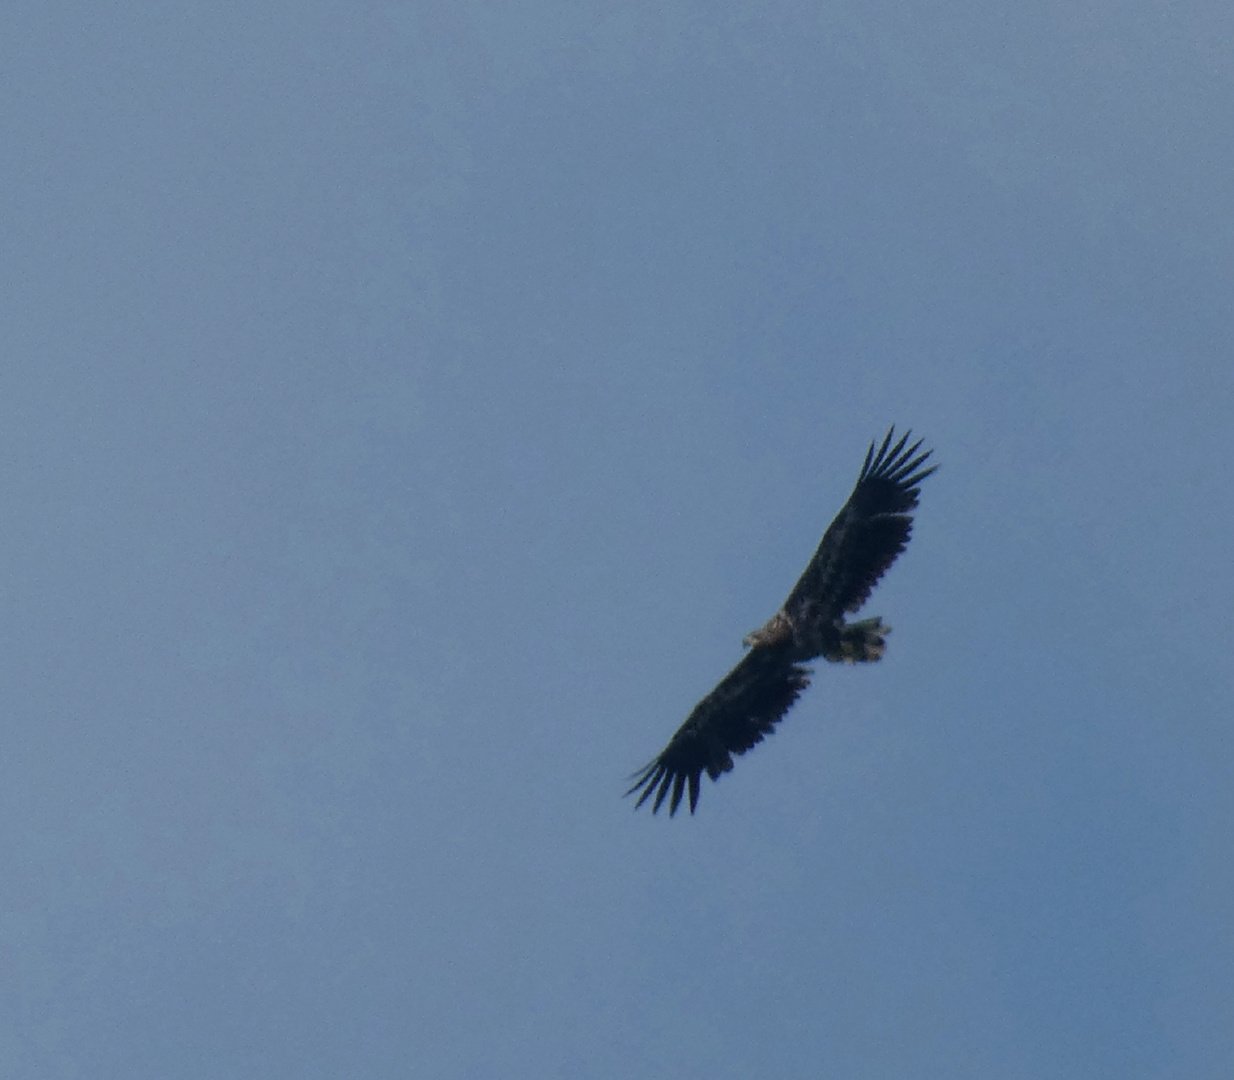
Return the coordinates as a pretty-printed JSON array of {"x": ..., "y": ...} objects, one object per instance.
[{"x": 865, "y": 538}]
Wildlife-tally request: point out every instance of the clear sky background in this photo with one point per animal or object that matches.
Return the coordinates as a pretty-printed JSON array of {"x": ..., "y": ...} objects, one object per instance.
[{"x": 405, "y": 410}]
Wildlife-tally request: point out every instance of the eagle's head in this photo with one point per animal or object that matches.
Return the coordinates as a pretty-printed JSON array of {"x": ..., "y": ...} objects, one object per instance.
[{"x": 775, "y": 631}]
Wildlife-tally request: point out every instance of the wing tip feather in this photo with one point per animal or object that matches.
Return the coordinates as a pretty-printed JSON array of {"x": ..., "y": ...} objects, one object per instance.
[{"x": 900, "y": 464}]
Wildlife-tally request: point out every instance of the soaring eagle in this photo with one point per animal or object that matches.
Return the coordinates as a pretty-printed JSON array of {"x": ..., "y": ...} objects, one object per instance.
[{"x": 859, "y": 545}]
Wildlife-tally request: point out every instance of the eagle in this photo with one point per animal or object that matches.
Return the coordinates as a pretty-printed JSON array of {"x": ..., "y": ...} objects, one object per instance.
[{"x": 865, "y": 538}]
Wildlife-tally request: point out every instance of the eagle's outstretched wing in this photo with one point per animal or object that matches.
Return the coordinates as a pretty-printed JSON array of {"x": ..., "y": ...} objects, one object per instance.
[
  {"x": 736, "y": 715},
  {"x": 867, "y": 534}
]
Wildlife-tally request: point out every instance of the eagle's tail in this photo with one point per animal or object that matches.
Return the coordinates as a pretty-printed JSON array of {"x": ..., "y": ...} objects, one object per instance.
[{"x": 862, "y": 642}]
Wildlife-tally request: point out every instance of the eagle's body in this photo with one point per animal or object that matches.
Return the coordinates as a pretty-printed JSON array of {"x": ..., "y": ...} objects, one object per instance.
[{"x": 865, "y": 538}]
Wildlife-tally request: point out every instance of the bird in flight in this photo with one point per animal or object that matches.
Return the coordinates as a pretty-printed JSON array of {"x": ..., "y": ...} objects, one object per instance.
[{"x": 865, "y": 538}]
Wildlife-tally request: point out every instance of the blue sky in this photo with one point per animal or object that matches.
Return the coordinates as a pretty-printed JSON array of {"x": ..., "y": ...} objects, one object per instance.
[{"x": 406, "y": 412}]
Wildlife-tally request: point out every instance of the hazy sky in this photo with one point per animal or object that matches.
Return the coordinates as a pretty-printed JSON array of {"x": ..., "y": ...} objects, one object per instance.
[{"x": 406, "y": 410}]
